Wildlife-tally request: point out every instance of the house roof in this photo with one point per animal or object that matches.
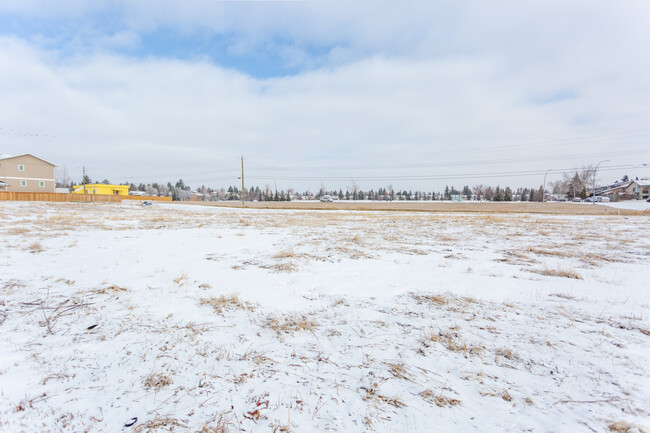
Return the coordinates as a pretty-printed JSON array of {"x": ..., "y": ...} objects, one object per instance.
[
  {"x": 642, "y": 182},
  {"x": 3, "y": 157}
]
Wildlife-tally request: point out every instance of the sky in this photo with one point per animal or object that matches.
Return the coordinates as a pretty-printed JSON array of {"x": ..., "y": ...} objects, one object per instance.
[{"x": 413, "y": 94}]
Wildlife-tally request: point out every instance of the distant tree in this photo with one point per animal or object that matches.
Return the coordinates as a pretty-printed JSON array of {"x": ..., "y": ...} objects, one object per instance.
[
  {"x": 625, "y": 178},
  {"x": 507, "y": 194},
  {"x": 340, "y": 194},
  {"x": 583, "y": 194},
  {"x": 488, "y": 194},
  {"x": 524, "y": 194}
]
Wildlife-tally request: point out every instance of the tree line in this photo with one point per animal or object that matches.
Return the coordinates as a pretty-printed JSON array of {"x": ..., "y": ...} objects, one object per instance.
[{"x": 578, "y": 184}]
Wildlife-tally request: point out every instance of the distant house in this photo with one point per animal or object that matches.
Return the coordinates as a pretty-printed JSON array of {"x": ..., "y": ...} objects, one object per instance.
[
  {"x": 26, "y": 173},
  {"x": 101, "y": 188},
  {"x": 640, "y": 188},
  {"x": 629, "y": 190}
]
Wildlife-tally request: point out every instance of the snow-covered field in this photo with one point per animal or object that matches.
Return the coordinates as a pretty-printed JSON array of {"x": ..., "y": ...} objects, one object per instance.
[
  {"x": 628, "y": 204},
  {"x": 199, "y": 319}
]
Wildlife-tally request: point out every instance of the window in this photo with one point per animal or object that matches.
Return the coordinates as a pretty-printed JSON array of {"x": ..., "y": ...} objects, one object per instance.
[
  {"x": 21, "y": 168},
  {"x": 23, "y": 183},
  {"x": 41, "y": 184}
]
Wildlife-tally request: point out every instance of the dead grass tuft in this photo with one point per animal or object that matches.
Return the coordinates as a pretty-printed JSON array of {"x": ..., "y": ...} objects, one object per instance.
[
  {"x": 18, "y": 231},
  {"x": 226, "y": 302},
  {"x": 114, "y": 288},
  {"x": 169, "y": 424},
  {"x": 284, "y": 267},
  {"x": 290, "y": 323},
  {"x": 181, "y": 279},
  {"x": 431, "y": 299},
  {"x": 398, "y": 371},
  {"x": 507, "y": 353},
  {"x": 35, "y": 247},
  {"x": 157, "y": 381},
  {"x": 624, "y": 427},
  {"x": 287, "y": 254},
  {"x": 454, "y": 342},
  {"x": 558, "y": 272},
  {"x": 439, "y": 399}
]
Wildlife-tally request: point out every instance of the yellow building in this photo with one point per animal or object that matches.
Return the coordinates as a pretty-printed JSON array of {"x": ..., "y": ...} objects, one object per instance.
[{"x": 100, "y": 188}]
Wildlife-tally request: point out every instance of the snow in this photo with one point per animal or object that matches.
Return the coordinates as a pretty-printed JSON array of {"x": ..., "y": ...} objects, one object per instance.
[
  {"x": 628, "y": 204},
  {"x": 338, "y": 321}
]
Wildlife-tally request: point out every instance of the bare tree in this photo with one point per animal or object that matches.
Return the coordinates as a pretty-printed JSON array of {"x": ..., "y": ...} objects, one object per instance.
[
  {"x": 478, "y": 191},
  {"x": 62, "y": 177},
  {"x": 354, "y": 187}
]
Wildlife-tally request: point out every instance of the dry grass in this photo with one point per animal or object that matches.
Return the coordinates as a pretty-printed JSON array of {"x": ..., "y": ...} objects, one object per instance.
[
  {"x": 226, "y": 302},
  {"x": 431, "y": 299},
  {"x": 286, "y": 254},
  {"x": 398, "y": 371},
  {"x": 284, "y": 267},
  {"x": 558, "y": 272},
  {"x": 507, "y": 353},
  {"x": 290, "y": 323},
  {"x": 18, "y": 231},
  {"x": 181, "y": 279},
  {"x": 159, "y": 423},
  {"x": 157, "y": 381},
  {"x": 453, "y": 342},
  {"x": 624, "y": 427},
  {"x": 439, "y": 399},
  {"x": 35, "y": 247},
  {"x": 110, "y": 289}
]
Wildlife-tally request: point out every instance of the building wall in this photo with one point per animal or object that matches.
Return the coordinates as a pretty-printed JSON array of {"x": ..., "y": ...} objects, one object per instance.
[
  {"x": 36, "y": 176},
  {"x": 100, "y": 188}
]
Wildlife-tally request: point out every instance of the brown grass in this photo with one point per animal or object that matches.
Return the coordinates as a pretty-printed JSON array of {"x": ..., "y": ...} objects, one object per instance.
[
  {"x": 226, "y": 302},
  {"x": 181, "y": 279},
  {"x": 110, "y": 289},
  {"x": 35, "y": 247},
  {"x": 430, "y": 299},
  {"x": 418, "y": 206},
  {"x": 284, "y": 267},
  {"x": 18, "y": 231},
  {"x": 157, "y": 381},
  {"x": 507, "y": 353},
  {"x": 453, "y": 342},
  {"x": 286, "y": 254},
  {"x": 439, "y": 399},
  {"x": 159, "y": 423},
  {"x": 558, "y": 272},
  {"x": 290, "y": 323}
]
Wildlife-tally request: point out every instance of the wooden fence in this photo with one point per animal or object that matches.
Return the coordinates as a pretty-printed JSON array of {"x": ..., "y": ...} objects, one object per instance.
[{"x": 56, "y": 196}]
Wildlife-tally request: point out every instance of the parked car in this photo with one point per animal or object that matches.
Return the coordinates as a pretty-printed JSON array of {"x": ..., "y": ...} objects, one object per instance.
[
  {"x": 576, "y": 200},
  {"x": 326, "y": 199}
]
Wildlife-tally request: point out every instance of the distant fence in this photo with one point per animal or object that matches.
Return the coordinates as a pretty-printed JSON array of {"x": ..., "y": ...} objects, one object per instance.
[{"x": 63, "y": 197}]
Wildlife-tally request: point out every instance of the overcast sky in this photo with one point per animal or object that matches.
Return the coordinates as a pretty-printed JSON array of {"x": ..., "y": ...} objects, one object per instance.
[{"x": 417, "y": 94}]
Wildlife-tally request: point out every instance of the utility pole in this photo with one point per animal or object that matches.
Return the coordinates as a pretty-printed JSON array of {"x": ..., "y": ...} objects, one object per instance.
[
  {"x": 242, "y": 182},
  {"x": 593, "y": 190},
  {"x": 544, "y": 187}
]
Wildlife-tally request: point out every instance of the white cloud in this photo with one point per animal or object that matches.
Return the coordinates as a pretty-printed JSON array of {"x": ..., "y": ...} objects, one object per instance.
[{"x": 403, "y": 83}]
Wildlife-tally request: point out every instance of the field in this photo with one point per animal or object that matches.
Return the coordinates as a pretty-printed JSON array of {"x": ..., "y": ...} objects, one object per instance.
[
  {"x": 210, "y": 319},
  {"x": 624, "y": 208}
]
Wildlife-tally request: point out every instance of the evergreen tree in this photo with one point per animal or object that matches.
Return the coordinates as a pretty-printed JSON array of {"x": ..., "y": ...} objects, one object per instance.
[{"x": 507, "y": 194}]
